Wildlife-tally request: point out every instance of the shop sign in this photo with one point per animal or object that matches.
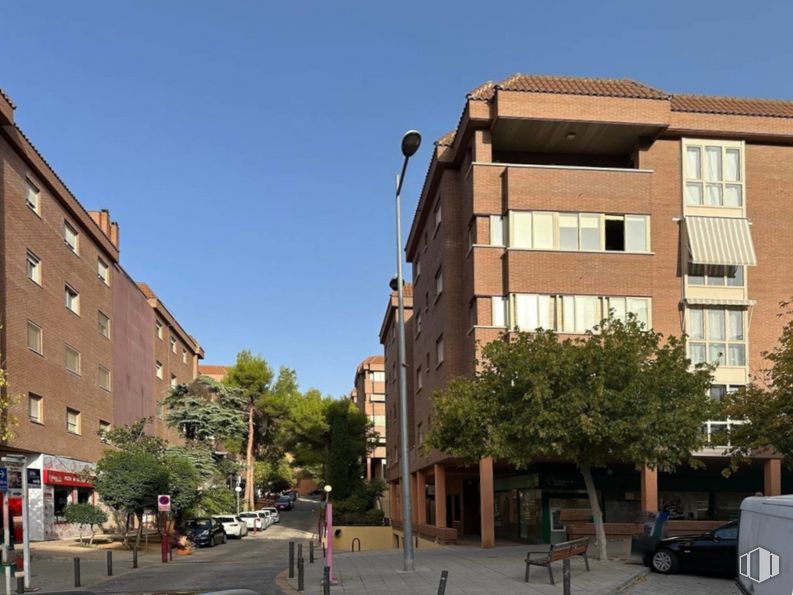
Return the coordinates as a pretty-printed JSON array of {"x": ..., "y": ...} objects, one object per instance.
[
  {"x": 3, "y": 479},
  {"x": 34, "y": 479},
  {"x": 14, "y": 480},
  {"x": 65, "y": 478}
]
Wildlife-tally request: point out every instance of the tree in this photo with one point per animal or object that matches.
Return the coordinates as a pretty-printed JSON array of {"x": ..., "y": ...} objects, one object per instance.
[
  {"x": 616, "y": 395},
  {"x": 308, "y": 432},
  {"x": 766, "y": 405},
  {"x": 252, "y": 376},
  {"x": 85, "y": 514},
  {"x": 277, "y": 476},
  {"x": 183, "y": 483},
  {"x": 7, "y": 401},
  {"x": 206, "y": 410},
  {"x": 350, "y": 437}
]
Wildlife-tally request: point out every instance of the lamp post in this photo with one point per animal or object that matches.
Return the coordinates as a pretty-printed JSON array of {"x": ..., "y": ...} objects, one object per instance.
[
  {"x": 238, "y": 489},
  {"x": 329, "y": 534},
  {"x": 410, "y": 144}
]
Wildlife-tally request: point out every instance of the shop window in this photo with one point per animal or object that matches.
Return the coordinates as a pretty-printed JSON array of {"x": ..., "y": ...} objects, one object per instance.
[
  {"x": 84, "y": 495},
  {"x": 60, "y": 499}
]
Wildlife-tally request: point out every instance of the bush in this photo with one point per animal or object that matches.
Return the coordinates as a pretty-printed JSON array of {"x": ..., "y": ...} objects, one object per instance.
[{"x": 85, "y": 514}]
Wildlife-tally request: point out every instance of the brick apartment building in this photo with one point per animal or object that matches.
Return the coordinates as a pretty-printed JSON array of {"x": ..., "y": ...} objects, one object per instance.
[
  {"x": 554, "y": 201},
  {"x": 216, "y": 373},
  {"x": 369, "y": 396},
  {"x": 84, "y": 346}
]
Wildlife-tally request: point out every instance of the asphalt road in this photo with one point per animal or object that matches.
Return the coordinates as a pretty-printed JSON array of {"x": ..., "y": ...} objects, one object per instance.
[{"x": 250, "y": 563}]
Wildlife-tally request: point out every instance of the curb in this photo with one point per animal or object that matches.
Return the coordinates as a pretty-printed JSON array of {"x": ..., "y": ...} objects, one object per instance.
[{"x": 282, "y": 582}]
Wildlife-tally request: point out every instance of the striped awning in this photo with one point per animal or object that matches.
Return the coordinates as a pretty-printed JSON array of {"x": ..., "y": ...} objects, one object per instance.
[
  {"x": 719, "y": 302},
  {"x": 720, "y": 241}
]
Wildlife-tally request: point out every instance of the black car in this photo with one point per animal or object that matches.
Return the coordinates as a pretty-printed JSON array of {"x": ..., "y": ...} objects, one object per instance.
[
  {"x": 714, "y": 552},
  {"x": 283, "y": 503},
  {"x": 204, "y": 531}
]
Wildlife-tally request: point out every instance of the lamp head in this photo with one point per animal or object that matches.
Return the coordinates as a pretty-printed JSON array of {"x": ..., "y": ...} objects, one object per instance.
[
  {"x": 393, "y": 284},
  {"x": 238, "y": 489},
  {"x": 328, "y": 489},
  {"x": 411, "y": 142}
]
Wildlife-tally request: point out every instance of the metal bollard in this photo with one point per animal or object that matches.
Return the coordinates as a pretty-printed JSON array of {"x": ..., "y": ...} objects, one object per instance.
[
  {"x": 310, "y": 552},
  {"x": 291, "y": 559},
  {"x": 442, "y": 584},
  {"x": 20, "y": 585},
  {"x": 300, "y": 573},
  {"x": 109, "y": 563},
  {"x": 77, "y": 572},
  {"x": 326, "y": 580},
  {"x": 135, "y": 557},
  {"x": 566, "y": 576}
]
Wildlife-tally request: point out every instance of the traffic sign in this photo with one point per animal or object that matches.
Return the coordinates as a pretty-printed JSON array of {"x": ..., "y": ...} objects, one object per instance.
[
  {"x": 3, "y": 479},
  {"x": 164, "y": 503}
]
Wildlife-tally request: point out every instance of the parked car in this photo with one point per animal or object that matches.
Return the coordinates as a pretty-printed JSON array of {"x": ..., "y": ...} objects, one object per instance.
[
  {"x": 253, "y": 521},
  {"x": 276, "y": 518},
  {"x": 292, "y": 494},
  {"x": 264, "y": 515},
  {"x": 204, "y": 531},
  {"x": 764, "y": 545},
  {"x": 714, "y": 552},
  {"x": 284, "y": 503},
  {"x": 234, "y": 526}
]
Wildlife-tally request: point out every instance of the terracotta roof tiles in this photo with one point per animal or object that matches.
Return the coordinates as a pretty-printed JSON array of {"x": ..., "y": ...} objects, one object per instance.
[
  {"x": 733, "y": 106},
  {"x": 569, "y": 85},
  {"x": 447, "y": 140},
  {"x": 8, "y": 99}
]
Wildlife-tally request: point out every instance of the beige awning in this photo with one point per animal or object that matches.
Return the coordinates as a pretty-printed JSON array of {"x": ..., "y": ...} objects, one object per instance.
[
  {"x": 720, "y": 241},
  {"x": 718, "y": 302}
]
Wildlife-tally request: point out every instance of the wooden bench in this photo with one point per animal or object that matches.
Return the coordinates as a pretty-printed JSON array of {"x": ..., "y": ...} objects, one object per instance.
[{"x": 557, "y": 552}]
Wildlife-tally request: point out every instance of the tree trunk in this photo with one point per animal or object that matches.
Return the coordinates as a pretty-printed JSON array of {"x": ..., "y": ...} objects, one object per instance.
[
  {"x": 91, "y": 541},
  {"x": 139, "y": 516},
  {"x": 597, "y": 514},
  {"x": 249, "y": 502}
]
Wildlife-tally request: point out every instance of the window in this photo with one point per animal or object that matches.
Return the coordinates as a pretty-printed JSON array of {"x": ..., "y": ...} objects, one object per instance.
[
  {"x": 72, "y": 299},
  {"x": 377, "y": 398},
  {"x": 438, "y": 215},
  {"x": 439, "y": 350},
  {"x": 104, "y": 428},
  {"x": 716, "y": 336},
  {"x": 72, "y": 359},
  {"x": 472, "y": 314},
  {"x": 620, "y": 307},
  {"x": 419, "y": 379},
  {"x": 438, "y": 283},
  {"x": 418, "y": 268},
  {"x": 173, "y": 345},
  {"x": 472, "y": 235},
  {"x": 158, "y": 330},
  {"x": 497, "y": 230},
  {"x": 72, "y": 421},
  {"x": 158, "y": 370},
  {"x": 35, "y": 338},
  {"x": 33, "y": 198},
  {"x": 184, "y": 356},
  {"x": 174, "y": 382},
  {"x": 104, "y": 378},
  {"x": 700, "y": 274},
  {"x": 420, "y": 433},
  {"x": 103, "y": 271},
  {"x": 34, "y": 268},
  {"x": 377, "y": 376},
  {"x": 532, "y": 311},
  {"x": 103, "y": 324},
  {"x": 35, "y": 408},
  {"x": 418, "y": 323},
  {"x": 719, "y": 391},
  {"x": 71, "y": 237},
  {"x": 500, "y": 315},
  {"x": 577, "y": 232},
  {"x": 713, "y": 174}
]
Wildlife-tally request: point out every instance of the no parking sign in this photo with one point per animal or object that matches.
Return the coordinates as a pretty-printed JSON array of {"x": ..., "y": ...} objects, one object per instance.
[{"x": 164, "y": 503}]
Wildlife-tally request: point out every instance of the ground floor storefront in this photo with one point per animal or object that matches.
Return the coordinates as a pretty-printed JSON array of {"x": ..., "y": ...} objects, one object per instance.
[{"x": 536, "y": 505}]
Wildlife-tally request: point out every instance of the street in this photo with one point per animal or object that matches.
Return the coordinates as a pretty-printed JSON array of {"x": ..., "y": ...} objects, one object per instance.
[{"x": 250, "y": 563}]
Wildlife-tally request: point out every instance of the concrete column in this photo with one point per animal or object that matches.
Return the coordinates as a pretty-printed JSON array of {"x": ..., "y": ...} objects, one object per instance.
[
  {"x": 486, "y": 502},
  {"x": 772, "y": 477},
  {"x": 440, "y": 496},
  {"x": 414, "y": 497},
  {"x": 421, "y": 497},
  {"x": 649, "y": 489}
]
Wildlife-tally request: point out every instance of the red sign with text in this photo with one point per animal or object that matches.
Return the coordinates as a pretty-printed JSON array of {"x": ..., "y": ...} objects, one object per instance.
[{"x": 65, "y": 478}]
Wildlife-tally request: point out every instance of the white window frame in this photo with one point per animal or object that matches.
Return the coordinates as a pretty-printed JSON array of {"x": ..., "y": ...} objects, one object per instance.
[
  {"x": 101, "y": 266},
  {"x": 174, "y": 382},
  {"x": 158, "y": 372},
  {"x": 184, "y": 356},
  {"x": 33, "y": 196},
  {"x": 707, "y": 342},
  {"x": 498, "y": 230},
  {"x": 173, "y": 345},
  {"x": 419, "y": 379},
  {"x": 78, "y": 430},
  {"x": 158, "y": 329},
  {"x": 438, "y": 216},
  {"x": 33, "y": 267},
  {"x": 703, "y": 180},
  {"x": 78, "y": 359},
  {"x": 439, "y": 351},
  {"x": 100, "y": 316},
  {"x": 40, "y": 334},
  {"x": 68, "y": 229},
  {"x": 100, "y": 371},
  {"x": 438, "y": 283},
  {"x": 707, "y": 277},
  {"x": 39, "y": 401},
  {"x": 72, "y": 299},
  {"x": 499, "y": 316}
]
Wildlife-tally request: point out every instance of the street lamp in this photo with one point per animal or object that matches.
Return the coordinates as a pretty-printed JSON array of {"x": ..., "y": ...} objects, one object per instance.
[
  {"x": 329, "y": 534},
  {"x": 238, "y": 489},
  {"x": 410, "y": 144}
]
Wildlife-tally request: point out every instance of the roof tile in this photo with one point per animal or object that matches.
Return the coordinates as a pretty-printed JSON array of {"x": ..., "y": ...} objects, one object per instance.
[
  {"x": 569, "y": 85},
  {"x": 447, "y": 140},
  {"x": 733, "y": 106}
]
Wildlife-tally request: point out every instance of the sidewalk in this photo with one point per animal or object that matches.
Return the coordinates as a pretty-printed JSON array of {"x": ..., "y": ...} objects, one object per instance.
[{"x": 472, "y": 571}]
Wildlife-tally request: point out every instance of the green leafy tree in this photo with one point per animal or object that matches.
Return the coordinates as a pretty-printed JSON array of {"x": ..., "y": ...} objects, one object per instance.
[
  {"x": 205, "y": 410},
  {"x": 766, "y": 405},
  {"x": 134, "y": 437},
  {"x": 277, "y": 476},
  {"x": 7, "y": 402},
  {"x": 308, "y": 432},
  {"x": 85, "y": 515},
  {"x": 620, "y": 394},
  {"x": 183, "y": 483},
  {"x": 216, "y": 500},
  {"x": 252, "y": 376},
  {"x": 350, "y": 436}
]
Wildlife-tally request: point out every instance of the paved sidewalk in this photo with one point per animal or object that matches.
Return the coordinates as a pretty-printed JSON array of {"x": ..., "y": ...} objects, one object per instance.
[{"x": 472, "y": 571}]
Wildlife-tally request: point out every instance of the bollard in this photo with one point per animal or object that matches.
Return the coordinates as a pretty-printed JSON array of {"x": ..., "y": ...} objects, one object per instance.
[
  {"x": 134, "y": 556},
  {"x": 291, "y": 559},
  {"x": 20, "y": 585},
  {"x": 170, "y": 552},
  {"x": 77, "y": 572},
  {"x": 300, "y": 577},
  {"x": 326, "y": 580},
  {"x": 442, "y": 584},
  {"x": 566, "y": 576},
  {"x": 109, "y": 563},
  {"x": 311, "y": 552}
]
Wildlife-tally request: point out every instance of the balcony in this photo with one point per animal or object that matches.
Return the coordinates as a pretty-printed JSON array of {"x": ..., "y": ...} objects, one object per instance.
[{"x": 717, "y": 435}]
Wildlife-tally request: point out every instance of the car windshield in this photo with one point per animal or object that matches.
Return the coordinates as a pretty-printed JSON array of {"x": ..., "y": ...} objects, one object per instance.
[
  {"x": 225, "y": 519},
  {"x": 197, "y": 523},
  {"x": 283, "y": 499}
]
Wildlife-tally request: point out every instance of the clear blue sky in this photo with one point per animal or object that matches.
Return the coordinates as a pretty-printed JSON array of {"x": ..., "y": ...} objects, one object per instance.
[{"x": 248, "y": 148}]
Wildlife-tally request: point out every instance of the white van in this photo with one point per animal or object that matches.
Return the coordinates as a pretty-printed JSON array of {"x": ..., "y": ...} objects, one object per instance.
[{"x": 765, "y": 546}]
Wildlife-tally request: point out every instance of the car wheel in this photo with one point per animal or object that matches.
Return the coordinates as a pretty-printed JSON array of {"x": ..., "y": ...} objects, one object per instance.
[
  {"x": 665, "y": 561},
  {"x": 224, "y": 539}
]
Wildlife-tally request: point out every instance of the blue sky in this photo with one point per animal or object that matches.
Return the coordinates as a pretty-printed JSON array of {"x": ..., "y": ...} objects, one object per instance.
[{"x": 248, "y": 148}]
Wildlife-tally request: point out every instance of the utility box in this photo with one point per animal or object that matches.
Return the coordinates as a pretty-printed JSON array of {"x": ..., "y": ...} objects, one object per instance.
[{"x": 765, "y": 546}]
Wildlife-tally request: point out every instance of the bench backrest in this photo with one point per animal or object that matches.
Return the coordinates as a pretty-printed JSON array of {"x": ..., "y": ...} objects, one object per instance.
[{"x": 565, "y": 549}]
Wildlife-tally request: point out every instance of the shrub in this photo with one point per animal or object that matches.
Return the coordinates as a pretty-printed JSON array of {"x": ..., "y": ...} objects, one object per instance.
[{"x": 85, "y": 514}]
